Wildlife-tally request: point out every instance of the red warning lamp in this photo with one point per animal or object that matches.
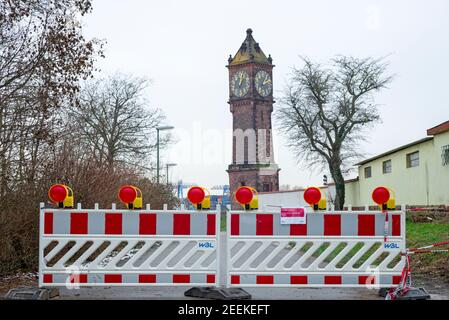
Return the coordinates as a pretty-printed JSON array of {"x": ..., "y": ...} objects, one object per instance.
[
  {"x": 244, "y": 195},
  {"x": 57, "y": 193},
  {"x": 196, "y": 195},
  {"x": 61, "y": 195},
  {"x": 127, "y": 194},
  {"x": 381, "y": 195},
  {"x": 312, "y": 195}
]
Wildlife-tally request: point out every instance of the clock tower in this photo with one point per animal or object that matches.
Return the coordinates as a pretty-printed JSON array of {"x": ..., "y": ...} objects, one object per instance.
[{"x": 251, "y": 104}]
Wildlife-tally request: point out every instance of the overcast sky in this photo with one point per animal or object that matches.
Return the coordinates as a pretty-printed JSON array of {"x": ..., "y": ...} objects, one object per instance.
[{"x": 183, "y": 47}]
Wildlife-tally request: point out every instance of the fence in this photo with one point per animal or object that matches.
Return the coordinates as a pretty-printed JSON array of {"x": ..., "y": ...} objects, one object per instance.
[
  {"x": 93, "y": 247},
  {"x": 98, "y": 247},
  {"x": 338, "y": 248}
]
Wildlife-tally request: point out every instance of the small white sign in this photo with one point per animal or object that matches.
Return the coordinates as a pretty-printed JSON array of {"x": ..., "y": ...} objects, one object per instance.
[{"x": 293, "y": 215}]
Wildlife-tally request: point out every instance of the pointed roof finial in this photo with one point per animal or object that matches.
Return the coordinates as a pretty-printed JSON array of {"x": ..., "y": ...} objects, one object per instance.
[{"x": 249, "y": 51}]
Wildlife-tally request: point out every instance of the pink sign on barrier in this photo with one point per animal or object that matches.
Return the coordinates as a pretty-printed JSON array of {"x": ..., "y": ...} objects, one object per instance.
[{"x": 293, "y": 216}]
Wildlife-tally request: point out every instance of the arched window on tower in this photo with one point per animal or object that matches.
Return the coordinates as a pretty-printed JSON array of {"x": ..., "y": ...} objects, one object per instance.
[
  {"x": 245, "y": 148},
  {"x": 234, "y": 150}
]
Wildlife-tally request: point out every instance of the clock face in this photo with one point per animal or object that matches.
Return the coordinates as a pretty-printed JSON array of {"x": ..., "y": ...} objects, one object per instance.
[
  {"x": 263, "y": 83},
  {"x": 240, "y": 83}
]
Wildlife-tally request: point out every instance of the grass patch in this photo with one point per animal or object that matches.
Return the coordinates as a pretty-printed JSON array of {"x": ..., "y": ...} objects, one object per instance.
[
  {"x": 349, "y": 255},
  {"x": 366, "y": 255},
  {"x": 318, "y": 252},
  {"x": 422, "y": 234},
  {"x": 339, "y": 248}
]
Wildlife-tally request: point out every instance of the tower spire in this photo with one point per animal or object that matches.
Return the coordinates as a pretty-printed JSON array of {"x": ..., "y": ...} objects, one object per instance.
[{"x": 249, "y": 51}]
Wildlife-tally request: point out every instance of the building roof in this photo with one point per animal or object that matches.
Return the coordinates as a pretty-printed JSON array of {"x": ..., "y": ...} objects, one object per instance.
[
  {"x": 249, "y": 52},
  {"x": 443, "y": 127},
  {"x": 394, "y": 150}
]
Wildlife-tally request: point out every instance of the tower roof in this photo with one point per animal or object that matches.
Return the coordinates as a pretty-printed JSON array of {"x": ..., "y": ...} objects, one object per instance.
[{"x": 249, "y": 52}]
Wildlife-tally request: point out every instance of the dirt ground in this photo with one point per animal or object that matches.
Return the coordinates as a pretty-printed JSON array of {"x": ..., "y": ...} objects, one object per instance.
[
  {"x": 22, "y": 279},
  {"x": 436, "y": 286}
]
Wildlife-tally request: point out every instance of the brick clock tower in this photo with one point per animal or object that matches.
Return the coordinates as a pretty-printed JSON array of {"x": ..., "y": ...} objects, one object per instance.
[{"x": 251, "y": 104}]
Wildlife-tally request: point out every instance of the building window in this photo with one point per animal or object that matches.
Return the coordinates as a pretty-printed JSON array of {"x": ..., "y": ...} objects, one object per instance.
[
  {"x": 245, "y": 150},
  {"x": 266, "y": 187},
  {"x": 413, "y": 159},
  {"x": 368, "y": 172},
  {"x": 445, "y": 155},
  {"x": 242, "y": 183},
  {"x": 386, "y": 166}
]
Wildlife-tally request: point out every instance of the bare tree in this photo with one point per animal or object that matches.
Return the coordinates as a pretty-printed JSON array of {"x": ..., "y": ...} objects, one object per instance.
[
  {"x": 115, "y": 122},
  {"x": 324, "y": 112},
  {"x": 43, "y": 55}
]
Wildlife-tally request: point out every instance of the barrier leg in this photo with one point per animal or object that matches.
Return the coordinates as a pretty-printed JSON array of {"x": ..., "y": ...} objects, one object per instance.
[{"x": 220, "y": 291}]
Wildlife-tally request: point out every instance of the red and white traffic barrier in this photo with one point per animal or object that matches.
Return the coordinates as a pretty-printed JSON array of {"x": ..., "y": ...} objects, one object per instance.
[
  {"x": 332, "y": 248},
  {"x": 96, "y": 247}
]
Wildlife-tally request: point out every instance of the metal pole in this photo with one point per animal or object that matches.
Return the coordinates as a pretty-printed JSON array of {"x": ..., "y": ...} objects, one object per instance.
[{"x": 157, "y": 161}]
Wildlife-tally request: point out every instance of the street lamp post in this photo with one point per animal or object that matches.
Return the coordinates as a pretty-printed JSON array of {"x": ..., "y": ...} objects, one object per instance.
[
  {"x": 160, "y": 128},
  {"x": 167, "y": 166}
]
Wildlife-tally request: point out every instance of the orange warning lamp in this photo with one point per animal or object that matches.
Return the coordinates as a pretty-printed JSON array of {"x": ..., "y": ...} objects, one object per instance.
[
  {"x": 382, "y": 196},
  {"x": 312, "y": 196},
  {"x": 197, "y": 196},
  {"x": 247, "y": 197},
  {"x": 61, "y": 195},
  {"x": 131, "y": 196}
]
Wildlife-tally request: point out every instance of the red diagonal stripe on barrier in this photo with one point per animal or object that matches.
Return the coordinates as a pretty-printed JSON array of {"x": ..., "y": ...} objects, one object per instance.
[
  {"x": 264, "y": 224},
  {"x": 181, "y": 278},
  {"x": 264, "y": 279},
  {"x": 181, "y": 224},
  {"x": 48, "y": 223},
  {"x": 332, "y": 279},
  {"x": 367, "y": 280},
  {"x": 113, "y": 223},
  {"x": 235, "y": 224},
  {"x": 396, "y": 279},
  {"x": 235, "y": 279},
  {"x": 78, "y": 223},
  {"x": 112, "y": 278},
  {"x": 298, "y": 229},
  {"x": 147, "y": 223},
  {"x": 396, "y": 225},
  {"x": 332, "y": 225},
  {"x": 147, "y": 278},
  {"x": 298, "y": 279},
  {"x": 78, "y": 278},
  {"x": 47, "y": 278},
  {"x": 210, "y": 278},
  {"x": 211, "y": 224},
  {"x": 366, "y": 224}
]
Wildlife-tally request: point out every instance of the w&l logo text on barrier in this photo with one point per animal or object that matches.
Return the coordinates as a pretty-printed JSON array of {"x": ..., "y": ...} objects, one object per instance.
[
  {"x": 391, "y": 245},
  {"x": 206, "y": 245}
]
